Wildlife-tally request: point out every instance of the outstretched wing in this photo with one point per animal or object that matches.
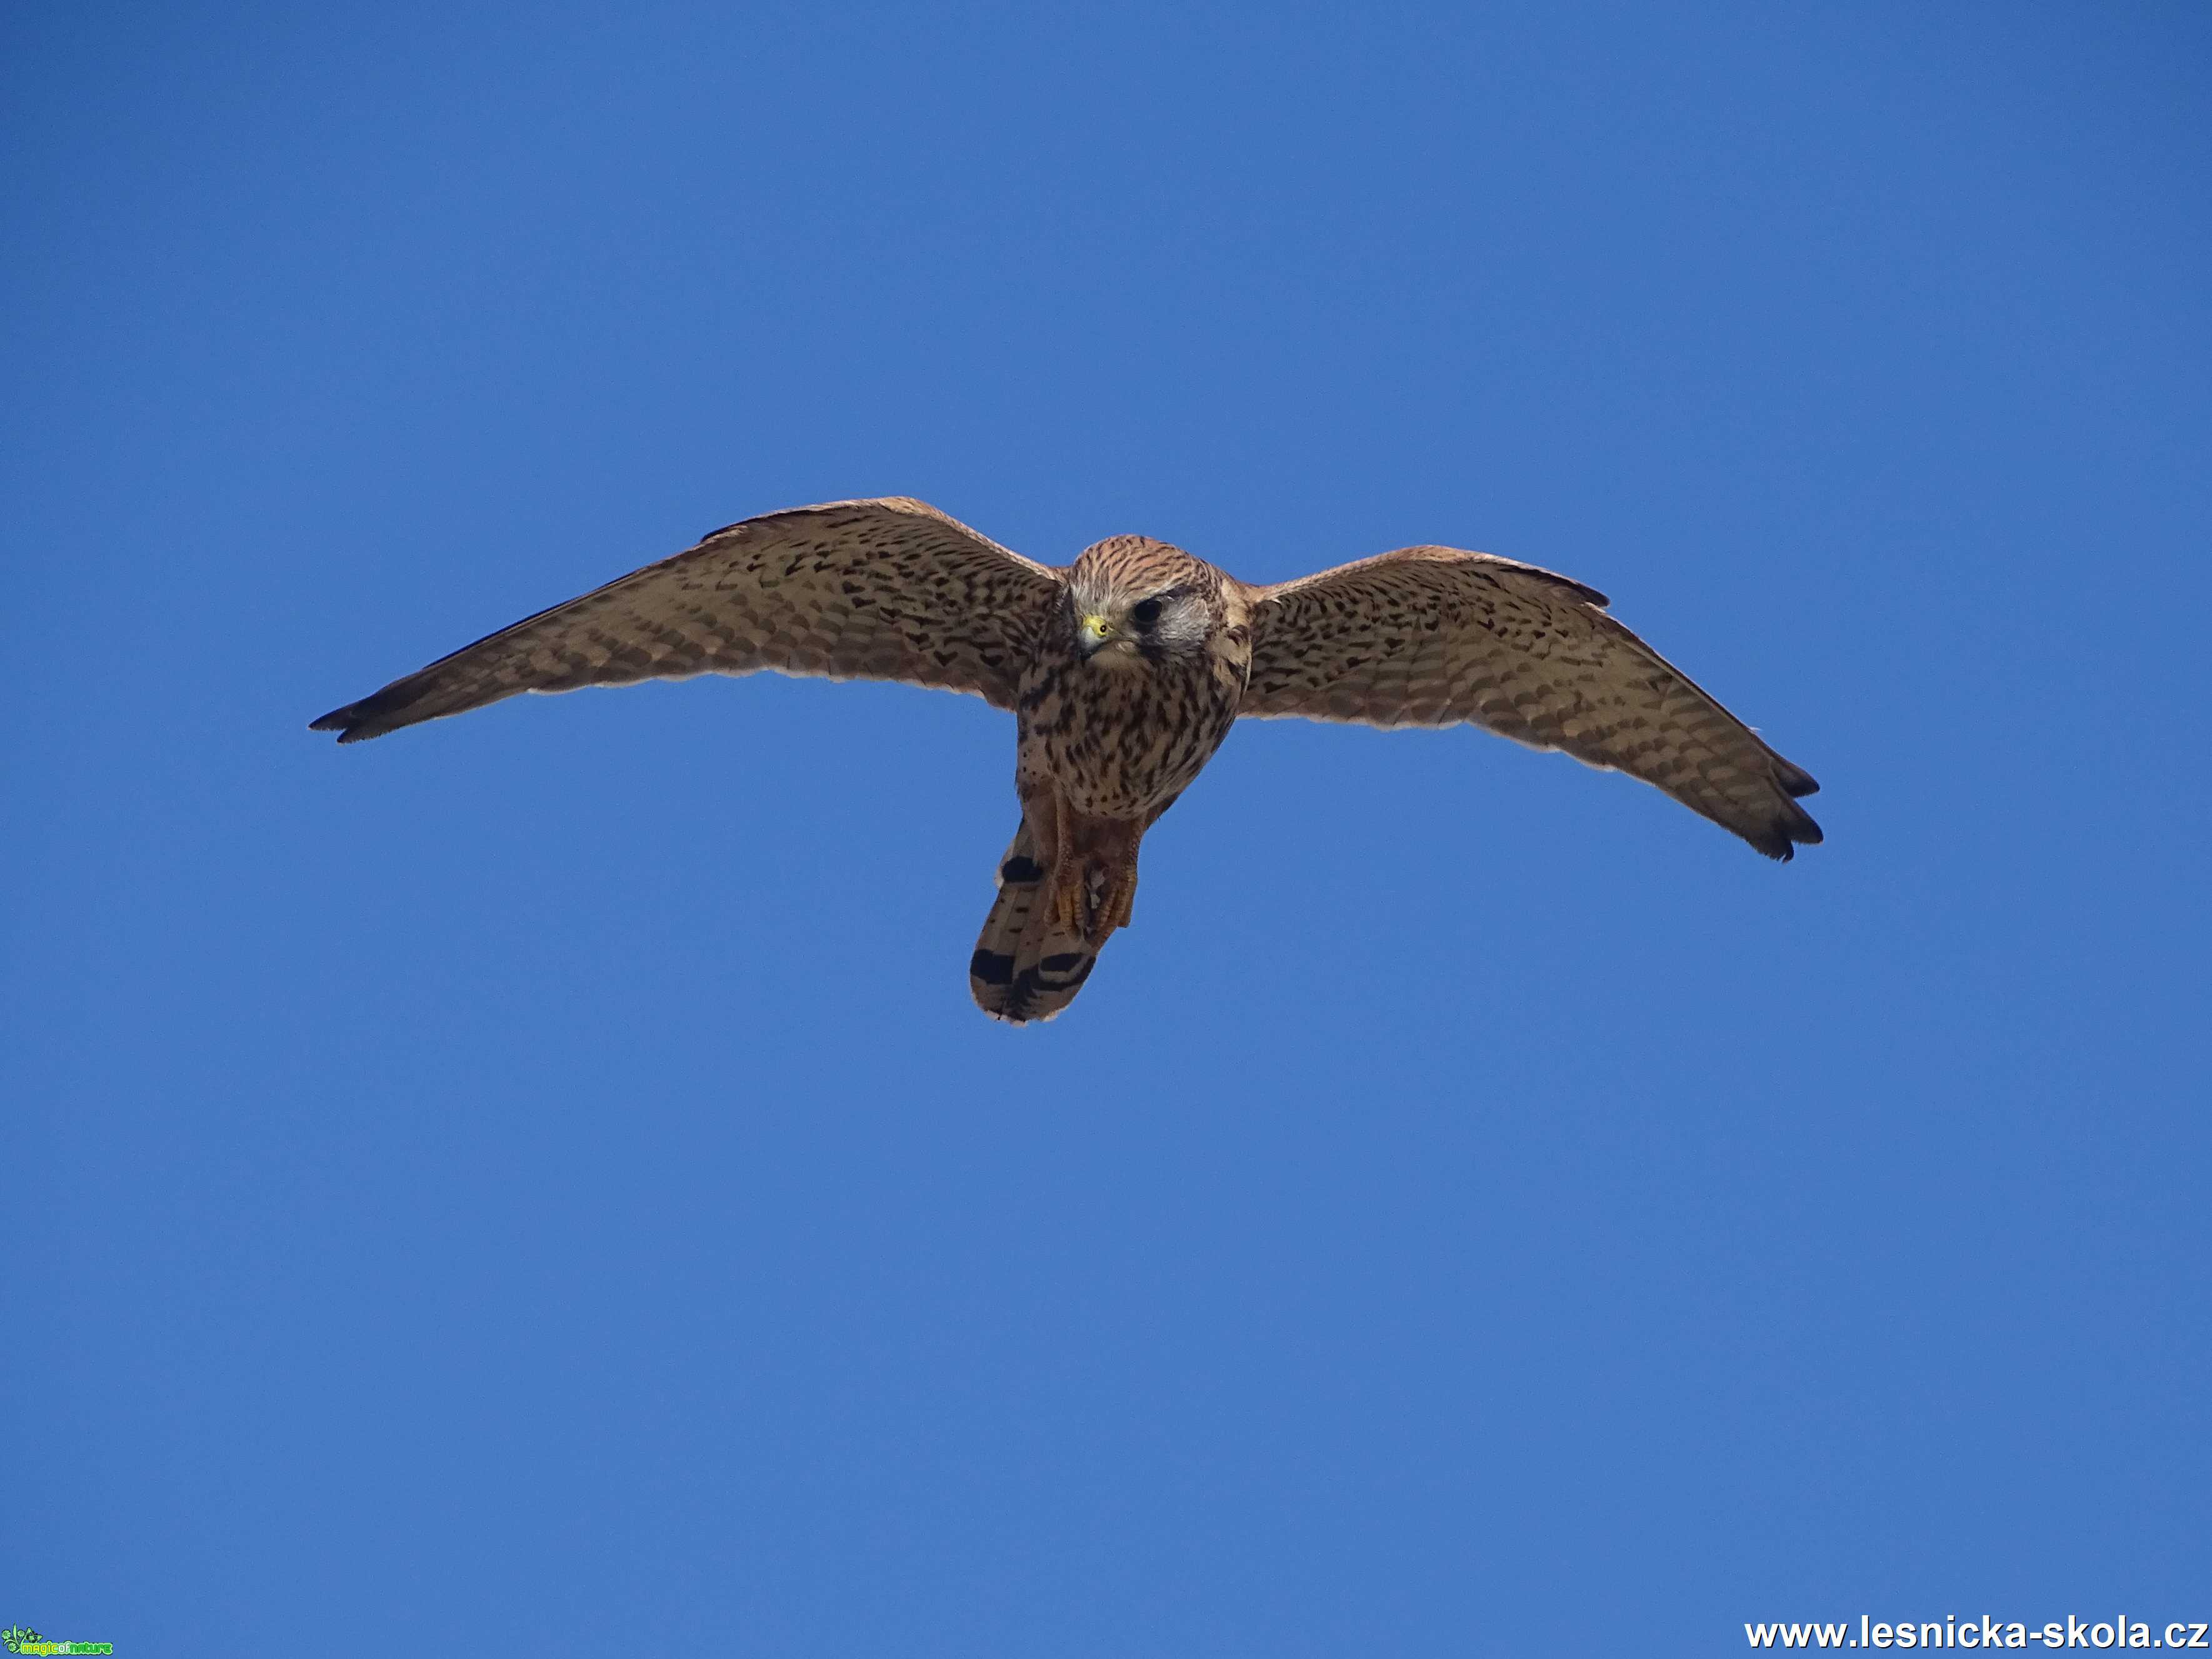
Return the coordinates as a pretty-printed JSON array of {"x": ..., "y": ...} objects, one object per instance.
[
  {"x": 883, "y": 590},
  {"x": 1434, "y": 637}
]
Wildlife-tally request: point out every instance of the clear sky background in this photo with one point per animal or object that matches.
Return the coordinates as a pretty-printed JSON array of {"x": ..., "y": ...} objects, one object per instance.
[{"x": 538, "y": 1183}]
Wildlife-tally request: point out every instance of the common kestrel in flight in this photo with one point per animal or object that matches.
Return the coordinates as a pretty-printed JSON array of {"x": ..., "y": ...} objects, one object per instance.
[{"x": 1125, "y": 671}]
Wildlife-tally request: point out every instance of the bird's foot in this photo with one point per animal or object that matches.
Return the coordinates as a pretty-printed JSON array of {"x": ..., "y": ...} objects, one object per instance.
[
  {"x": 1092, "y": 902},
  {"x": 1120, "y": 905}
]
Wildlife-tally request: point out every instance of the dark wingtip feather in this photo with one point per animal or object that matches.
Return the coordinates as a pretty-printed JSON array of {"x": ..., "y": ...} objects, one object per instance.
[
  {"x": 350, "y": 722},
  {"x": 1791, "y": 829},
  {"x": 1794, "y": 779},
  {"x": 1773, "y": 841}
]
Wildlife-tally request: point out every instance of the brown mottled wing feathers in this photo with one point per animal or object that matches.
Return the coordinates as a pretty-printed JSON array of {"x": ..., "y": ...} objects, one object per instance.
[
  {"x": 890, "y": 590},
  {"x": 1434, "y": 637}
]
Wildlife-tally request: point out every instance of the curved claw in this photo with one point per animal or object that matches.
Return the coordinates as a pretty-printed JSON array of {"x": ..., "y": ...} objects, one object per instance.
[{"x": 1091, "y": 904}]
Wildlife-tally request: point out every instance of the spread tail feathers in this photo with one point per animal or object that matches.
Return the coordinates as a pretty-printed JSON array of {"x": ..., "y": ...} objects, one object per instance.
[{"x": 1026, "y": 966}]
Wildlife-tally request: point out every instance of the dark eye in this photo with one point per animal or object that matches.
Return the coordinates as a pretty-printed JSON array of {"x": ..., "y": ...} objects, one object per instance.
[{"x": 1145, "y": 612}]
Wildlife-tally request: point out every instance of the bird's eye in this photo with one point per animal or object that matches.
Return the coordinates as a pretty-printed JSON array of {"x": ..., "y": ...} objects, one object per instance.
[{"x": 1145, "y": 612}]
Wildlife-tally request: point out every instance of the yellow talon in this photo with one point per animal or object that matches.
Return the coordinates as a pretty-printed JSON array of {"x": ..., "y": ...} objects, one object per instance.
[{"x": 1067, "y": 907}]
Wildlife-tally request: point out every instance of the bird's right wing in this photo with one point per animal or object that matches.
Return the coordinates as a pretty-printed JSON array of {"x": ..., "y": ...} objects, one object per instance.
[
  {"x": 1437, "y": 635},
  {"x": 885, "y": 590}
]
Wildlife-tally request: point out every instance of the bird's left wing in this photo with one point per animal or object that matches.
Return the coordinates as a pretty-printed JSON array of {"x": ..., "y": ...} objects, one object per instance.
[
  {"x": 1436, "y": 635},
  {"x": 885, "y": 590}
]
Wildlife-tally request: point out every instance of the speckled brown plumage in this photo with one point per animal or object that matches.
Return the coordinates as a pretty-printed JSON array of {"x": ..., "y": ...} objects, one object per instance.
[
  {"x": 1436, "y": 636},
  {"x": 1124, "y": 672}
]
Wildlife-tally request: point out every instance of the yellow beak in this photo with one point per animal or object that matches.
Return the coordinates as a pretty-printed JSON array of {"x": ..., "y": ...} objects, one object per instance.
[{"x": 1094, "y": 631}]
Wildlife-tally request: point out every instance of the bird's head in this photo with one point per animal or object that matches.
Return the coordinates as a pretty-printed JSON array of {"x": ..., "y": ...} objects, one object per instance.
[{"x": 1134, "y": 602}]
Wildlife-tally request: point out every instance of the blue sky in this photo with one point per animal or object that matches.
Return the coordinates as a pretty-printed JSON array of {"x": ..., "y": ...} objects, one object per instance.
[{"x": 538, "y": 1180}]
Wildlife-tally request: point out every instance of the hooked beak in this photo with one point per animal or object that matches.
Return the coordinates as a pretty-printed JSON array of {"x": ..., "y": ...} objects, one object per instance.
[{"x": 1093, "y": 631}]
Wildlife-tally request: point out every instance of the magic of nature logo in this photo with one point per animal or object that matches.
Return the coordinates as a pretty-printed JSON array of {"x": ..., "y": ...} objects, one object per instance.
[{"x": 17, "y": 1639}]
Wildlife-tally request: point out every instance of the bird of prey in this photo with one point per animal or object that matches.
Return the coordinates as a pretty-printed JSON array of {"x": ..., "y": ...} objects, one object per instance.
[{"x": 1124, "y": 672}]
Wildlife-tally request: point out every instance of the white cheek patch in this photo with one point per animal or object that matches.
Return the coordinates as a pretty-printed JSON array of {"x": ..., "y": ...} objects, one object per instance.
[{"x": 1182, "y": 629}]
